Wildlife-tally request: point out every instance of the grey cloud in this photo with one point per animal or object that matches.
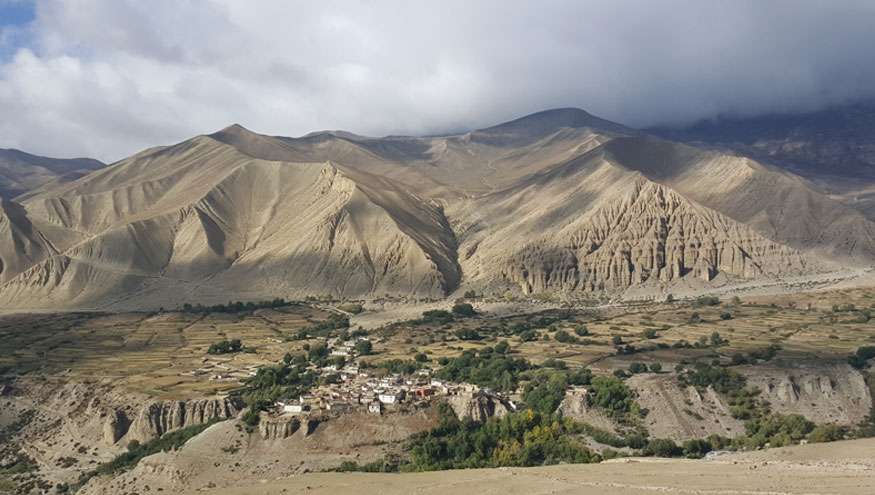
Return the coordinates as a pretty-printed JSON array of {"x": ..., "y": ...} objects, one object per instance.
[{"x": 107, "y": 78}]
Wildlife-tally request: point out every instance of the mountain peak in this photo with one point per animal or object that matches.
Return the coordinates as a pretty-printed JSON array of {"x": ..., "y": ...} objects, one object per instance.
[{"x": 547, "y": 121}]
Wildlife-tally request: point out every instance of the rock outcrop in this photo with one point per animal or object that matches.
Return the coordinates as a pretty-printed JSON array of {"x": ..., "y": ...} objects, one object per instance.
[
  {"x": 277, "y": 428},
  {"x": 651, "y": 234},
  {"x": 156, "y": 419},
  {"x": 479, "y": 405},
  {"x": 115, "y": 426},
  {"x": 822, "y": 393}
]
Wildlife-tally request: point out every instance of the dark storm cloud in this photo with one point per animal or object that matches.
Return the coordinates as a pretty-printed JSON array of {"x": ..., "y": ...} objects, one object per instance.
[{"x": 109, "y": 77}]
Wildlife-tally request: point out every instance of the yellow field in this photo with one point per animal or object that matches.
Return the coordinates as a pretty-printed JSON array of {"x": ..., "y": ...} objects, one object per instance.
[{"x": 147, "y": 352}]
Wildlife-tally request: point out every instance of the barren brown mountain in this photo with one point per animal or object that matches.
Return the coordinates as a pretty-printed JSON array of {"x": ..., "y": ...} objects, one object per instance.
[{"x": 557, "y": 202}]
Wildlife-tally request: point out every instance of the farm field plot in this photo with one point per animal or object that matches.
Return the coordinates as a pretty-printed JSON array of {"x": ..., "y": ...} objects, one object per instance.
[
  {"x": 667, "y": 333},
  {"x": 163, "y": 354}
]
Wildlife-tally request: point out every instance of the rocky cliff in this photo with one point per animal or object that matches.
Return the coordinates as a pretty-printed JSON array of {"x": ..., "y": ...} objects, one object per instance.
[
  {"x": 479, "y": 405},
  {"x": 277, "y": 428},
  {"x": 157, "y": 418}
]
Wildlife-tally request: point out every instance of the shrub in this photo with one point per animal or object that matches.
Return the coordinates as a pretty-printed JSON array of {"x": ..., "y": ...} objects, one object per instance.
[
  {"x": 529, "y": 336},
  {"x": 655, "y": 367},
  {"x": 225, "y": 347},
  {"x": 617, "y": 340},
  {"x": 662, "y": 447},
  {"x": 554, "y": 363},
  {"x": 420, "y": 358},
  {"x": 251, "y": 417},
  {"x": 581, "y": 331},
  {"x": 636, "y": 368},
  {"x": 726, "y": 315},
  {"x": 696, "y": 448},
  {"x": 502, "y": 347},
  {"x": 695, "y": 318},
  {"x": 564, "y": 337},
  {"x": 859, "y": 359},
  {"x": 436, "y": 316},
  {"x": 468, "y": 334},
  {"x": 826, "y": 433},
  {"x": 463, "y": 309},
  {"x": 545, "y": 395},
  {"x": 364, "y": 347},
  {"x": 649, "y": 333},
  {"x": 612, "y": 395}
]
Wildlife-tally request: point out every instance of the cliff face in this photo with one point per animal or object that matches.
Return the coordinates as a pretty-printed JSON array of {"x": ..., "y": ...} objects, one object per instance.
[
  {"x": 156, "y": 419},
  {"x": 649, "y": 235},
  {"x": 821, "y": 393},
  {"x": 278, "y": 428},
  {"x": 479, "y": 405}
]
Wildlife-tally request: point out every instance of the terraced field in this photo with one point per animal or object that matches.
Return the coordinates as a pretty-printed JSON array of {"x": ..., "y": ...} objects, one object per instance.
[
  {"x": 157, "y": 353},
  {"x": 810, "y": 329}
]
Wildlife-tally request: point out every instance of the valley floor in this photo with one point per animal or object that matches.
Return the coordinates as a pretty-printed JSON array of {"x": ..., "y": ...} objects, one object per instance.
[{"x": 846, "y": 468}]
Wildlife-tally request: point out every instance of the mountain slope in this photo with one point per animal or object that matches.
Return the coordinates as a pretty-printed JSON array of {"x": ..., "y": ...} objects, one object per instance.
[
  {"x": 559, "y": 201},
  {"x": 594, "y": 225},
  {"x": 22, "y": 172}
]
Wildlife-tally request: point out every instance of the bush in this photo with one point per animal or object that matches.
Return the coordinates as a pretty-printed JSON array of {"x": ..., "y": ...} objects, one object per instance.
[
  {"x": 436, "y": 316},
  {"x": 251, "y": 417},
  {"x": 502, "y": 347},
  {"x": 617, "y": 340},
  {"x": 649, "y": 333},
  {"x": 581, "y": 331},
  {"x": 655, "y": 367},
  {"x": 463, "y": 309},
  {"x": 612, "y": 395},
  {"x": 564, "y": 337},
  {"x": 695, "y": 318},
  {"x": 528, "y": 336},
  {"x": 226, "y": 347},
  {"x": 546, "y": 394},
  {"x": 717, "y": 340},
  {"x": 859, "y": 359},
  {"x": 554, "y": 363},
  {"x": 636, "y": 368},
  {"x": 726, "y": 315},
  {"x": 827, "y": 433},
  {"x": 364, "y": 347},
  {"x": 468, "y": 334},
  {"x": 662, "y": 447},
  {"x": 696, "y": 448}
]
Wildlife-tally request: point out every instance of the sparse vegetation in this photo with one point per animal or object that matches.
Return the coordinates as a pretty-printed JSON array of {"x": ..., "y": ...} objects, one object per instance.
[{"x": 226, "y": 347}]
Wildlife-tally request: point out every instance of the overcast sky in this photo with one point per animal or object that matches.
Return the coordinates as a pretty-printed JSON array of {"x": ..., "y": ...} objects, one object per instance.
[{"x": 106, "y": 78}]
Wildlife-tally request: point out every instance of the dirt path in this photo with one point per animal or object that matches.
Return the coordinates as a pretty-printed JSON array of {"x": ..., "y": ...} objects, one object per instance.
[{"x": 840, "y": 468}]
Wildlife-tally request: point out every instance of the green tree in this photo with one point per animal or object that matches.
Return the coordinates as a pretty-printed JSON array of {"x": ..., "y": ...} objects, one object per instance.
[
  {"x": 364, "y": 347},
  {"x": 463, "y": 309}
]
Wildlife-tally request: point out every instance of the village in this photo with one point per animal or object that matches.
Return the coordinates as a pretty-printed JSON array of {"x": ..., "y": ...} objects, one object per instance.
[
  {"x": 357, "y": 388},
  {"x": 347, "y": 386}
]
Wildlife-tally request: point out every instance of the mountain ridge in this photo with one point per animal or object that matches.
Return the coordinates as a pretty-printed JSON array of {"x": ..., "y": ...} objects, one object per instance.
[{"x": 557, "y": 201}]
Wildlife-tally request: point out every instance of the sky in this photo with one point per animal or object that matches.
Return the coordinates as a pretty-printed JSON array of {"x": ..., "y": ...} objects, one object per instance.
[{"x": 108, "y": 78}]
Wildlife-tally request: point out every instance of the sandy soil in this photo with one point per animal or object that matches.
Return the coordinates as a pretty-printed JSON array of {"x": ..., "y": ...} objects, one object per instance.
[{"x": 837, "y": 468}]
